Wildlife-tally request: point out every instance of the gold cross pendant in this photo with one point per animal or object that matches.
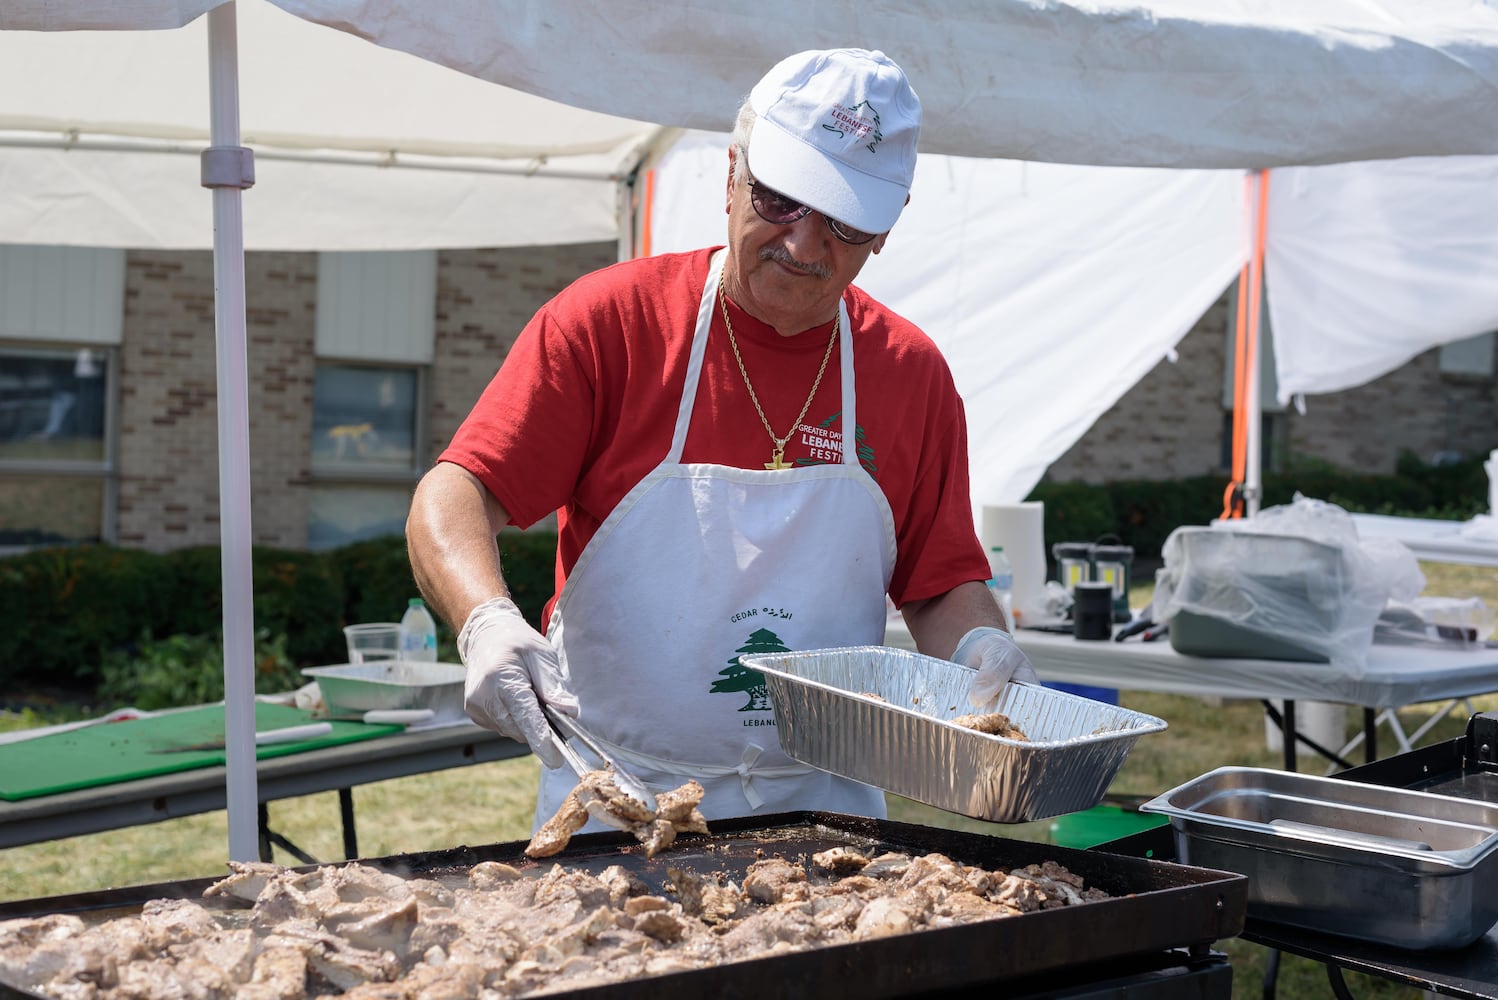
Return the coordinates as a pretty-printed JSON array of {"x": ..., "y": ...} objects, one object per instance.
[{"x": 777, "y": 460}]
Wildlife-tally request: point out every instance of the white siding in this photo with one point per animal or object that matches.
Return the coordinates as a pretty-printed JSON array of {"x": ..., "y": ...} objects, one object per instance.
[
  {"x": 377, "y": 306},
  {"x": 72, "y": 295}
]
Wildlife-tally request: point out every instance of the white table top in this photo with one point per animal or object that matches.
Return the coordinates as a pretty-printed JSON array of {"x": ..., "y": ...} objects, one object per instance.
[
  {"x": 1393, "y": 677},
  {"x": 1430, "y": 538}
]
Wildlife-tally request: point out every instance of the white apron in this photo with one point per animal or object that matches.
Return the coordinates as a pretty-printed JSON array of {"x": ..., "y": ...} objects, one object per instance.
[{"x": 702, "y": 563}]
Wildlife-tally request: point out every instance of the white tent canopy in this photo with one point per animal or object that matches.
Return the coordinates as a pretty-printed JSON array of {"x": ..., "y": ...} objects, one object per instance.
[
  {"x": 92, "y": 128},
  {"x": 356, "y": 147},
  {"x": 362, "y": 147},
  {"x": 1174, "y": 83}
]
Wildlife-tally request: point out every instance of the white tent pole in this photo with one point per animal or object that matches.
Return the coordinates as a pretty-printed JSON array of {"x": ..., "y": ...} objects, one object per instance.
[
  {"x": 227, "y": 170},
  {"x": 1253, "y": 465}
]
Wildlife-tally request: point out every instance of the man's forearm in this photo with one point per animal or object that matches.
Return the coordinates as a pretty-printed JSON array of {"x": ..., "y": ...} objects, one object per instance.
[
  {"x": 936, "y": 624},
  {"x": 450, "y": 539}
]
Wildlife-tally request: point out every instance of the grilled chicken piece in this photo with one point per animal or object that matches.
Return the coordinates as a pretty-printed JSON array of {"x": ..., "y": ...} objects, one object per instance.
[
  {"x": 840, "y": 861},
  {"x": 771, "y": 879},
  {"x": 557, "y": 831},
  {"x": 679, "y": 804},
  {"x": 606, "y": 801},
  {"x": 596, "y": 795},
  {"x": 992, "y": 723},
  {"x": 246, "y": 880}
]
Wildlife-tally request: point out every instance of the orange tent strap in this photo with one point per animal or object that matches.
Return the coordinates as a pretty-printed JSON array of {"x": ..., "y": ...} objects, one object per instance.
[
  {"x": 1255, "y": 187},
  {"x": 648, "y": 214}
]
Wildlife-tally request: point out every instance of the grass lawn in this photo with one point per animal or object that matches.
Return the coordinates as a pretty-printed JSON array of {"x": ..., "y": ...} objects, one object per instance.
[{"x": 492, "y": 803}]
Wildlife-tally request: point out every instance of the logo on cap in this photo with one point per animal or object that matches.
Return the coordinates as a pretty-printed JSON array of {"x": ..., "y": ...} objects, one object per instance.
[{"x": 861, "y": 119}]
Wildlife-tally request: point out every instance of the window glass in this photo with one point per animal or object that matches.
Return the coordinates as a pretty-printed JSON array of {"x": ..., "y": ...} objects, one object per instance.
[
  {"x": 52, "y": 405},
  {"x": 339, "y": 514},
  {"x": 1472, "y": 356},
  {"x": 49, "y": 510},
  {"x": 363, "y": 419}
]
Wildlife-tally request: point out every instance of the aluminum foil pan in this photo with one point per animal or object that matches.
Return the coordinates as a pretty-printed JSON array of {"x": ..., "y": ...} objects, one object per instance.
[
  {"x": 905, "y": 744},
  {"x": 1404, "y": 868},
  {"x": 356, "y": 688}
]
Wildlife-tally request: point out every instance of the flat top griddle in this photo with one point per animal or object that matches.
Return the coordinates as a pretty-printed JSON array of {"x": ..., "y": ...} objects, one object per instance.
[{"x": 1158, "y": 906}]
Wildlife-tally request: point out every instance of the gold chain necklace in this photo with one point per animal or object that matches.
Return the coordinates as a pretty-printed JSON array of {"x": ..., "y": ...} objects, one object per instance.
[{"x": 777, "y": 457}]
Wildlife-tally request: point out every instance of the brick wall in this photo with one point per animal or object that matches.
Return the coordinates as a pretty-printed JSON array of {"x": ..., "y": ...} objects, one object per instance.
[
  {"x": 1415, "y": 407},
  {"x": 168, "y": 450},
  {"x": 484, "y": 299},
  {"x": 1171, "y": 424}
]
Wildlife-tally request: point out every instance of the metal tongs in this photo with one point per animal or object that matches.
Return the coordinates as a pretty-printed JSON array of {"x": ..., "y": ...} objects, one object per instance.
[{"x": 569, "y": 735}]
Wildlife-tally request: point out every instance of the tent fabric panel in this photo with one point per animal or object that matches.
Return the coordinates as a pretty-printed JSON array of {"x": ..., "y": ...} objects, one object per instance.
[
  {"x": 132, "y": 200},
  {"x": 1371, "y": 264},
  {"x": 1173, "y": 83}
]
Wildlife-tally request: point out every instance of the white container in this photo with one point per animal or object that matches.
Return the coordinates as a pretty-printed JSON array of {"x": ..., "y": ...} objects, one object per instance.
[
  {"x": 1491, "y": 465},
  {"x": 418, "y": 633},
  {"x": 351, "y": 689},
  {"x": 1322, "y": 721}
]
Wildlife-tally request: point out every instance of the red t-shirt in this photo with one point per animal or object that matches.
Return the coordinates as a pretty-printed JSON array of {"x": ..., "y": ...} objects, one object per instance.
[{"x": 585, "y": 404}]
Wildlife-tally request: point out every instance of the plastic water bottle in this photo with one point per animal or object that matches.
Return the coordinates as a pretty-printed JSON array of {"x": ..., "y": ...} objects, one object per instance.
[
  {"x": 418, "y": 632},
  {"x": 1001, "y": 582}
]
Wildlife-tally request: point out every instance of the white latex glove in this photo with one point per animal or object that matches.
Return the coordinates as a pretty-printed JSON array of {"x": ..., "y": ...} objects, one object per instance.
[
  {"x": 998, "y": 660},
  {"x": 511, "y": 670}
]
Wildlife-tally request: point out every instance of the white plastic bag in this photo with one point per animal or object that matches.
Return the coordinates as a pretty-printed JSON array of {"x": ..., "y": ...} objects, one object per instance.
[{"x": 1295, "y": 576}]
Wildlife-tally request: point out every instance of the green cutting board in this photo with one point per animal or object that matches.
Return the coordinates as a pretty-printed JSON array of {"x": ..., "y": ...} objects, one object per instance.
[{"x": 108, "y": 752}]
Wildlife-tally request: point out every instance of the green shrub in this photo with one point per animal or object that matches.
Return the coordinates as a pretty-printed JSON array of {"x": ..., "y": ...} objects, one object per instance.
[
  {"x": 1075, "y": 512},
  {"x": 300, "y": 595},
  {"x": 188, "y": 670},
  {"x": 197, "y": 574},
  {"x": 62, "y": 609},
  {"x": 1146, "y": 514},
  {"x": 377, "y": 580},
  {"x": 65, "y": 610},
  {"x": 528, "y": 560}
]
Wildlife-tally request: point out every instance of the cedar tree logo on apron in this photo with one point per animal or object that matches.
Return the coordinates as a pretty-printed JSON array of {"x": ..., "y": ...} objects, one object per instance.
[{"x": 737, "y": 678}]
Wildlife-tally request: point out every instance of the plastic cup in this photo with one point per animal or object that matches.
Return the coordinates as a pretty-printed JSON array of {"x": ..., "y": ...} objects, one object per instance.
[{"x": 373, "y": 641}]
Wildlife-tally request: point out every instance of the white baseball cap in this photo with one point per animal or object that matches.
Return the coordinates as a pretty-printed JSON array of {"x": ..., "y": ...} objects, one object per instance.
[{"x": 837, "y": 129}]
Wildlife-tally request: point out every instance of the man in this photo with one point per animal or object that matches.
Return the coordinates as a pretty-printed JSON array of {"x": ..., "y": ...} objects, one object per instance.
[{"x": 746, "y": 453}]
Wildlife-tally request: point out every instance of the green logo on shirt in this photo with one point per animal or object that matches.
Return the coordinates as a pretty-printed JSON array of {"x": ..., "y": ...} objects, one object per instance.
[{"x": 738, "y": 678}]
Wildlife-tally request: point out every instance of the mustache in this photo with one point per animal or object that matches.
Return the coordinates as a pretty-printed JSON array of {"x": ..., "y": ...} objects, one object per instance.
[{"x": 782, "y": 256}]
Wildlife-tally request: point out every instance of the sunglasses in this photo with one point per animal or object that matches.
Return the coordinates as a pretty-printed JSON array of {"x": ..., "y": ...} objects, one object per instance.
[{"x": 777, "y": 209}]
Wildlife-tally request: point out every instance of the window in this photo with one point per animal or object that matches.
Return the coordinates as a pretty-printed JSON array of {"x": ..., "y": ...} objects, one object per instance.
[
  {"x": 61, "y": 320},
  {"x": 363, "y": 419},
  {"x": 55, "y": 445},
  {"x": 376, "y": 326},
  {"x": 1472, "y": 356},
  {"x": 365, "y": 429}
]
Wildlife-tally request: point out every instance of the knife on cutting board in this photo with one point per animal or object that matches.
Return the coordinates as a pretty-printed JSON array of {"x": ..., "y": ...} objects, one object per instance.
[
  {"x": 379, "y": 716},
  {"x": 287, "y": 734}
]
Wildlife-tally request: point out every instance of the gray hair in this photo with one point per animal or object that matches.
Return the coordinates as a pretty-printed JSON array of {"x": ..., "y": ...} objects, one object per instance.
[{"x": 742, "y": 126}]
